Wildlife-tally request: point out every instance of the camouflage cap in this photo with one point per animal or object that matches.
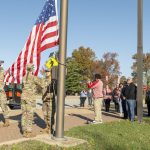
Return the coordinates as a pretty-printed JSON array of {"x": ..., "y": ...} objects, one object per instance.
[
  {"x": 30, "y": 67},
  {"x": 47, "y": 70}
]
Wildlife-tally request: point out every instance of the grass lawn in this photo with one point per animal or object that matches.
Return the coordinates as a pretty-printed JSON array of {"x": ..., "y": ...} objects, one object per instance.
[{"x": 122, "y": 135}]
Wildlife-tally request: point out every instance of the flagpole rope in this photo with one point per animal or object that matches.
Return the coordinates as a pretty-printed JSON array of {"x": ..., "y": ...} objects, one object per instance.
[{"x": 62, "y": 64}]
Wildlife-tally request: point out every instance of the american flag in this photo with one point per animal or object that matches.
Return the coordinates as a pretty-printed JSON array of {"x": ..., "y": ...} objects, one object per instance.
[{"x": 44, "y": 35}]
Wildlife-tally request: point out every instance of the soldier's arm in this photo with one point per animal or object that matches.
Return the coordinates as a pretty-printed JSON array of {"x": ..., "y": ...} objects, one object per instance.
[{"x": 38, "y": 81}]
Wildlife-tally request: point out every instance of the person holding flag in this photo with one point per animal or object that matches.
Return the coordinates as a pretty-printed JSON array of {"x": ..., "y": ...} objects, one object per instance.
[
  {"x": 28, "y": 102},
  {"x": 48, "y": 98}
]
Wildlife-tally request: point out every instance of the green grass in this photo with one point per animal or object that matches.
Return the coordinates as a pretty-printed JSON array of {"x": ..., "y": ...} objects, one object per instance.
[
  {"x": 29, "y": 145},
  {"x": 122, "y": 135}
]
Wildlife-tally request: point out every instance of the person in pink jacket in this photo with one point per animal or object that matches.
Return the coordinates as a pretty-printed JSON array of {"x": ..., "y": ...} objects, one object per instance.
[{"x": 97, "y": 90}]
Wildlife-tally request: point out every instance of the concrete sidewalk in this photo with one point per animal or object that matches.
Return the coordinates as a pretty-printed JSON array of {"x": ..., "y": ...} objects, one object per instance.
[{"x": 73, "y": 117}]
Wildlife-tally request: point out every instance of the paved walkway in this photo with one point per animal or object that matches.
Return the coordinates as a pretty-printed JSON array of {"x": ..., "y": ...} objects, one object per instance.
[{"x": 73, "y": 117}]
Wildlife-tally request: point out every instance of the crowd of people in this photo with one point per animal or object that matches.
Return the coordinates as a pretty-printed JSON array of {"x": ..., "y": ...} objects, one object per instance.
[{"x": 123, "y": 96}]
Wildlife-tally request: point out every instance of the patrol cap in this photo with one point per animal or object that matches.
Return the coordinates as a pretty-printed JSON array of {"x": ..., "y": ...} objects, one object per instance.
[
  {"x": 1, "y": 62},
  {"x": 47, "y": 70},
  {"x": 1, "y": 69}
]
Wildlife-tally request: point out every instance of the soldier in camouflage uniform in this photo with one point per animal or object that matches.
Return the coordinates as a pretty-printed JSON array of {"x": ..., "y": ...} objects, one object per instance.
[
  {"x": 3, "y": 99},
  {"x": 48, "y": 102},
  {"x": 28, "y": 102}
]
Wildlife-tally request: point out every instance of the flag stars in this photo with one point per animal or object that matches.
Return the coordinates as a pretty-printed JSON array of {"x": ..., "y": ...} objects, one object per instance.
[{"x": 47, "y": 12}]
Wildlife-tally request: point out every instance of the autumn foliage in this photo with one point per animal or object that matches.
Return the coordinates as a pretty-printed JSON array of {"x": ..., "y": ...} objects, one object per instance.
[{"x": 83, "y": 64}]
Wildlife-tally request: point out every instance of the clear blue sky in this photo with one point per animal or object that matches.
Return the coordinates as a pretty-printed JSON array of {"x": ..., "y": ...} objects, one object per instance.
[{"x": 102, "y": 25}]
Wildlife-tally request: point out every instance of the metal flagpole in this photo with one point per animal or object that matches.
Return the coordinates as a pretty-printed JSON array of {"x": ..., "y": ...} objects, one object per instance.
[
  {"x": 61, "y": 71},
  {"x": 140, "y": 61}
]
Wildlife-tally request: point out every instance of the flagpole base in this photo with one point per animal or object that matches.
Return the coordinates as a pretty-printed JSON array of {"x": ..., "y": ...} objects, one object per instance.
[{"x": 58, "y": 139}]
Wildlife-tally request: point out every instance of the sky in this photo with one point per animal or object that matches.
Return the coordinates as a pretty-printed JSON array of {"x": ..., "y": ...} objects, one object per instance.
[{"x": 102, "y": 25}]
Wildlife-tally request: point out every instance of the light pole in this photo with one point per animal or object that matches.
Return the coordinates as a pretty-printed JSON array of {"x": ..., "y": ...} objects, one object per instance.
[{"x": 140, "y": 60}]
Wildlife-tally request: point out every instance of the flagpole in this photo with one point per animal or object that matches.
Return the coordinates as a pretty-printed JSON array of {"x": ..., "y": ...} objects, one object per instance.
[
  {"x": 140, "y": 61},
  {"x": 61, "y": 71}
]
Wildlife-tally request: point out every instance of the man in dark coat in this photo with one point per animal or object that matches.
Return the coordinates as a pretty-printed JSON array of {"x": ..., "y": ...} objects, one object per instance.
[
  {"x": 124, "y": 101},
  {"x": 130, "y": 96}
]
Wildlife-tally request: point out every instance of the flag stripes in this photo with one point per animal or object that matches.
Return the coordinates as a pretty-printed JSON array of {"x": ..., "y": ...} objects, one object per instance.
[{"x": 44, "y": 35}]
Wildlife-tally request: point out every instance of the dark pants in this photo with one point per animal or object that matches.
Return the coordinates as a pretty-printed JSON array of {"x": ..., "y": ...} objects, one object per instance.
[
  {"x": 90, "y": 100},
  {"x": 131, "y": 104},
  {"x": 148, "y": 108},
  {"x": 116, "y": 102},
  {"x": 107, "y": 104},
  {"x": 124, "y": 103},
  {"x": 82, "y": 101}
]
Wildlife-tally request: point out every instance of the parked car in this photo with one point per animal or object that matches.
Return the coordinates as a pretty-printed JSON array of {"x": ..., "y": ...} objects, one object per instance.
[{"x": 13, "y": 93}]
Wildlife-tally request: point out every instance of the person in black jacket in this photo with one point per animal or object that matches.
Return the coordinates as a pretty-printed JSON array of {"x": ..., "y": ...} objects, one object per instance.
[
  {"x": 124, "y": 101},
  {"x": 130, "y": 92},
  {"x": 147, "y": 100}
]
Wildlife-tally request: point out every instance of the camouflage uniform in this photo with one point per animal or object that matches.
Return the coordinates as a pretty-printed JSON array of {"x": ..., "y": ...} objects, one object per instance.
[
  {"x": 28, "y": 101},
  {"x": 48, "y": 103},
  {"x": 3, "y": 99}
]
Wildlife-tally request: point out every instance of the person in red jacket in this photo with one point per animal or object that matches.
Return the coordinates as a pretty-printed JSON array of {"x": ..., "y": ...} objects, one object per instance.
[{"x": 97, "y": 89}]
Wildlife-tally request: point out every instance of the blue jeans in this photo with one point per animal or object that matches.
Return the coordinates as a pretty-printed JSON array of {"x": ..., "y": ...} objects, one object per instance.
[
  {"x": 120, "y": 106},
  {"x": 131, "y": 109}
]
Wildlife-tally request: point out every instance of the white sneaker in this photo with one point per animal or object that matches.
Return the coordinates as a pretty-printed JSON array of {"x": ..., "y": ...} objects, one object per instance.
[
  {"x": 121, "y": 115},
  {"x": 96, "y": 122}
]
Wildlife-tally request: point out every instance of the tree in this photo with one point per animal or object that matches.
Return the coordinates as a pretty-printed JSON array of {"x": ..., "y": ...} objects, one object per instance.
[
  {"x": 109, "y": 67},
  {"x": 73, "y": 78},
  {"x": 83, "y": 65},
  {"x": 85, "y": 58}
]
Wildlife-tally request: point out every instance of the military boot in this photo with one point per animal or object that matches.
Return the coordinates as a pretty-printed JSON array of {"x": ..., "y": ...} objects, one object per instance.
[
  {"x": 24, "y": 133},
  {"x": 29, "y": 134},
  {"x": 46, "y": 130},
  {"x": 6, "y": 123}
]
